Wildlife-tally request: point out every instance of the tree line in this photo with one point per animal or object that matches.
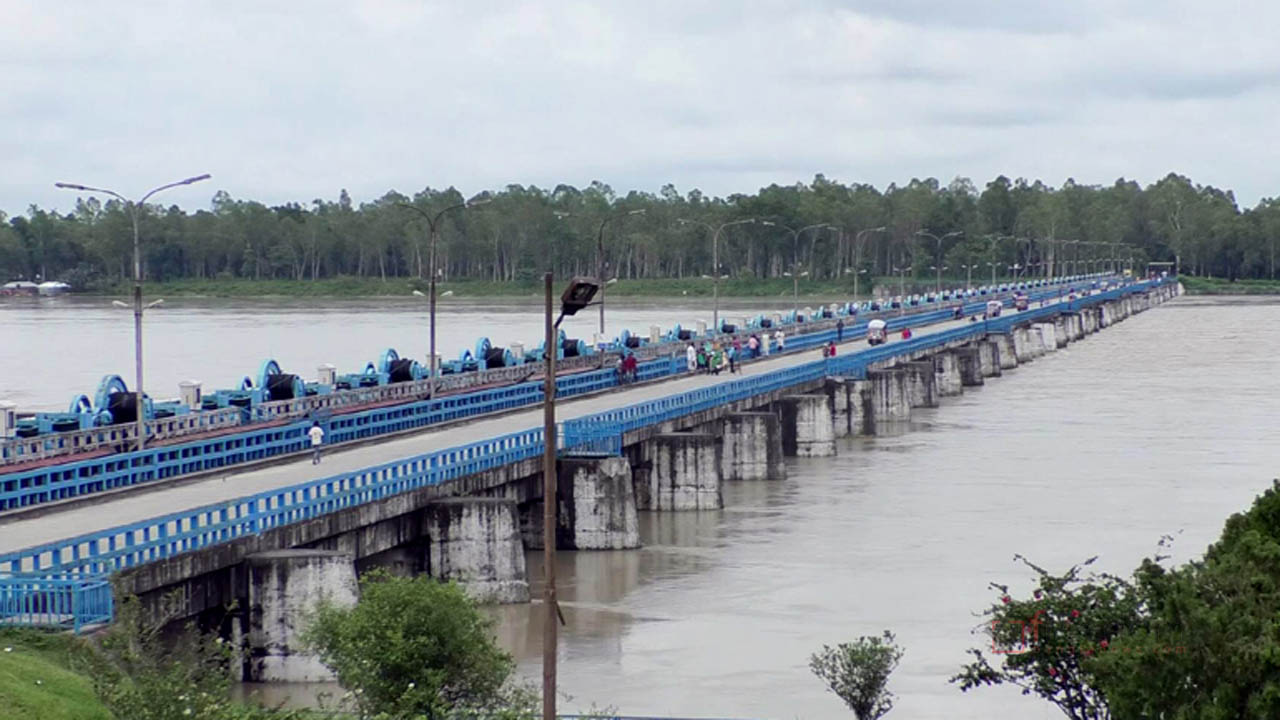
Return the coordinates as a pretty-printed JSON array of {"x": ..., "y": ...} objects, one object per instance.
[{"x": 518, "y": 232}]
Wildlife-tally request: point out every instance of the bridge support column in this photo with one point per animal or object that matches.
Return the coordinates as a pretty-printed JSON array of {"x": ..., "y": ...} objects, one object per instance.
[
  {"x": 921, "y": 377},
  {"x": 1048, "y": 337},
  {"x": 1022, "y": 348},
  {"x": 597, "y": 506},
  {"x": 752, "y": 447},
  {"x": 1061, "y": 332},
  {"x": 851, "y": 407},
  {"x": 1007, "y": 356},
  {"x": 969, "y": 364},
  {"x": 807, "y": 426},
  {"x": 889, "y": 400},
  {"x": 947, "y": 379},
  {"x": 683, "y": 473},
  {"x": 989, "y": 357},
  {"x": 475, "y": 541},
  {"x": 284, "y": 588}
]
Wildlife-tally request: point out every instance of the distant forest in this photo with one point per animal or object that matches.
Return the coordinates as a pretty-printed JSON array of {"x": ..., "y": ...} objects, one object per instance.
[{"x": 520, "y": 232}]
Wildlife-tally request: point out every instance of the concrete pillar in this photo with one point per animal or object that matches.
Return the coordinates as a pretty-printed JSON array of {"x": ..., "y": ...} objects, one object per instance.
[
  {"x": 1048, "y": 337},
  {"x": 1061, "y": 332},
  {"x": 921, "y": 383},
  {"x": 1022, "y": 348},
  {"x": 890, "y": 398},
  {"x": 683, "y": 473},
  {"x": 807, "y": 426},
  {"x": 752, "y": 448},
  {"x": 597, "y": 506},
  {"x": 475, "y": 541},
  {"x": 969, "y": 364},
  {"x": 989, "y": 357},
  {"x": 284, "y": 588},
  {"x": 851, "y": 407},
  {"x": 946, "y": 369},
  {"x": 1007, "y": 355}
]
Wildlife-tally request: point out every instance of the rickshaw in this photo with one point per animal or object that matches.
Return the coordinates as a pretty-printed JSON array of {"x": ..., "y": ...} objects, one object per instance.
[
  {"x": 876, "y": 332},
  {"x": 1020, "y": 302},
  {"x": 993, "y": 308}
]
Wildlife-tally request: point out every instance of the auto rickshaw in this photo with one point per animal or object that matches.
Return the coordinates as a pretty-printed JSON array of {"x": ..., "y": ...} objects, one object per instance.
[
  {"x": 876, "y": 332},
  {"x": 1020, "y": 302},
  {"x": 993, "y": 308}
]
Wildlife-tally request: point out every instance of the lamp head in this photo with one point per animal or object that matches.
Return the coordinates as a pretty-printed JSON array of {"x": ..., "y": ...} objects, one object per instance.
[{"x": 578, "y": 295}]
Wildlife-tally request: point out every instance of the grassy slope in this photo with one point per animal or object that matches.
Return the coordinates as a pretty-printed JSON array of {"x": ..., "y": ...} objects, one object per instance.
[
  {"x": 36, "y": 682},
  {"x": 1218, "y": 286}
]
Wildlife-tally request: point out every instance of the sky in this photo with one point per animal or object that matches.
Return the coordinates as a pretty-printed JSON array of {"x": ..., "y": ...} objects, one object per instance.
[{"x": 290, "y": 101}]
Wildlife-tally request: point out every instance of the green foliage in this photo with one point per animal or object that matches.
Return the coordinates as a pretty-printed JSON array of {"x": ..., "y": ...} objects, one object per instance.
[
  {"x": 858, "y": 673},
  {"x": 1046, "y": 643},
  {"x": 1209, "y": 646},
  {"x": 523, "y": 231},
  {"x": 38, "y": 680},
  {"x": 415, "y": 647},
  {"x": 140, "y": 674}
]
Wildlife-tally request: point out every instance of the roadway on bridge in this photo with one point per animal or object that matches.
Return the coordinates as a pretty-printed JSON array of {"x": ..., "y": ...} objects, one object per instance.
[{"x": 139, "y": 505}]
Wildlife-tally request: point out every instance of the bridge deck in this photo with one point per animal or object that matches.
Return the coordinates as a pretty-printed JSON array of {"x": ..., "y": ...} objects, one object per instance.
[{"x": 140, "y": 506}]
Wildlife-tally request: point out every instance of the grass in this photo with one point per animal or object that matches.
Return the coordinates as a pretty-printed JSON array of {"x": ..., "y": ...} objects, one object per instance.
[
  {"x": 1220, "y": 286},
  {"x": 37, "y": 681},
  {"x": 401, "y": 287}
]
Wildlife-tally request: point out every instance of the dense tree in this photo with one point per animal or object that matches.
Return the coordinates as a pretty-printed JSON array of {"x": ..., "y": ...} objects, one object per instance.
[{"x": 524, "y": 230}]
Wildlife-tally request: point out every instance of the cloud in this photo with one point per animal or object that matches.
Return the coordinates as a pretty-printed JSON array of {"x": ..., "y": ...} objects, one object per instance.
[{"x": 289, "y": 103}]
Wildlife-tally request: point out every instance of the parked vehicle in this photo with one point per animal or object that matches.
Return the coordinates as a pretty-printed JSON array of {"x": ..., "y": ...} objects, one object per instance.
[
  {"x": 1020, "y": 302},
  {"x": 876, "y": 332},
  {"x": 993, "y": 308}
]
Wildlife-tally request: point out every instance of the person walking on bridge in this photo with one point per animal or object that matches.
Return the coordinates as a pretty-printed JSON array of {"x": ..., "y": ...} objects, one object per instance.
[
  {"x": 316, "y": 433},
  {"x": 691, "y": 358},
  {"x": 840, "y": 330},
  {"x": 780, "y": 338}
]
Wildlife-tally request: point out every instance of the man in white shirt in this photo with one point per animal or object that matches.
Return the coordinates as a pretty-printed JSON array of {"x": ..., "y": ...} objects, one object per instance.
[
  {"x": 316, "y": 433},
  {"x": 780, "y": 338},
  {"x": 691, "y": 358}
]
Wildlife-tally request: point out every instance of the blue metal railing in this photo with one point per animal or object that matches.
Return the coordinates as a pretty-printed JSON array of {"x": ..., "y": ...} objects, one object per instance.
[
  {"x": 64, "y": 600},
  {"x": 95, "y": 555}
]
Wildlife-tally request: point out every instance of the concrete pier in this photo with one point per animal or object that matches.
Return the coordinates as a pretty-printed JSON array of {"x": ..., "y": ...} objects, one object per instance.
[
  {"x": 921, "y": 383},
  {"x": 946, "y": 370},
  {"x": 1024, "y": 345},
  {"x": 285, "y": 587},
  {"x": 1061, "y": 334},
  {"x": 476, "y": 542},
  {"x": 682, "y": 473},
  {"x": 889, "y": 399},
  {"x": 851, "y": 407},
  {"x": 989, "y": 357},
  {"x": 1048, "y": 337},
  {"x": 807, "y": 426},
  {"x": 969, "y": 365},
  {"x": 752, "y": 446},
  {"x": 1008, "y": 355},
  {"x": 597, "y": 505}
]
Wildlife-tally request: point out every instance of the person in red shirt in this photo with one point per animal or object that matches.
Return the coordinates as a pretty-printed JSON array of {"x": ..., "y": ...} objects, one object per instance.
[{"x": 906, "y": 333}]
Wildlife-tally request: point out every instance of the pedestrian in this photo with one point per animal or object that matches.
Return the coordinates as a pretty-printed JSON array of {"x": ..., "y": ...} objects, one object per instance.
[
  {"x": 732, "y": 354},
  {"x": 780, "y": 339},
  {"x": 691, "y": 358},
  {"x": 831, "y": 349},
  {"x": 316, "y": 433},
  {"x": 840, "y": 330},
  {"x": 753, "y": 345},
  {"x": 906, "y": 333},
  {"x": 702, "y": 360}
]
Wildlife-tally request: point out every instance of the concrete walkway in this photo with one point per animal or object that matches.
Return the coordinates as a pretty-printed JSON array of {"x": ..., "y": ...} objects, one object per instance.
[{"x": 138, "y": 506}]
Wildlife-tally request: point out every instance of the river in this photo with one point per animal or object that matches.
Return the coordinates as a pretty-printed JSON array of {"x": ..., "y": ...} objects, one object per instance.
[{"x": 1163, "y": 424}]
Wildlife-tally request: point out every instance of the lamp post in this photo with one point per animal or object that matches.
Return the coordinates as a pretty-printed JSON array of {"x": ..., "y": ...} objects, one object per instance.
[
  {"x": 133, "y": 208},
  {"x": 715, "y": 261},
  {"x": 577, "y": 296},
  {"x": 433, "y": 225},
  {"x": 600, "y": 262},
  {"x": 968, "y": 281},
  {"x": 795, "y": 255},
  {"x": 937, "y": 287},
  {"x": 857, "y": 238}
]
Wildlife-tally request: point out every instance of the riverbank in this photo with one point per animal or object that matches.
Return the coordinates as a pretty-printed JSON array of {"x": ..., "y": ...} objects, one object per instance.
[
  {"x": 38, "y": 679},
  {"x": 402, "y": 287},
  {"x": 1220, "y": 286}
]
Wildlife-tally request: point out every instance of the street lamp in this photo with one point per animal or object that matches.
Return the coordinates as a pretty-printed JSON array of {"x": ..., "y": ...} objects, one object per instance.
[
  {"x": 133, "y": 208},
  {"x": 577, "y": 296},
  {"x": 795, "y": 255},
  {"x": 715, "y": 261},
  {"x": 433, "y": 225},
  {"x": 856, "y": 240},
  {"x": 901, "y": 281},
  {"x": 600, "y": 264},
  {"x": 968, "y": 282},
  {"x": 938, "y": 255}
]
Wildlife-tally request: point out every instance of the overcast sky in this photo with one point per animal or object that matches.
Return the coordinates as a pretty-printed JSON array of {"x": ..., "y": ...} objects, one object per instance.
[{"x": 290, "y": 101}]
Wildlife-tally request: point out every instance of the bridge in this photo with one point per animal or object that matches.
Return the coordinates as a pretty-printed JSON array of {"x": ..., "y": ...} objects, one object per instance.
[{"x": 463, "y": 500}]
